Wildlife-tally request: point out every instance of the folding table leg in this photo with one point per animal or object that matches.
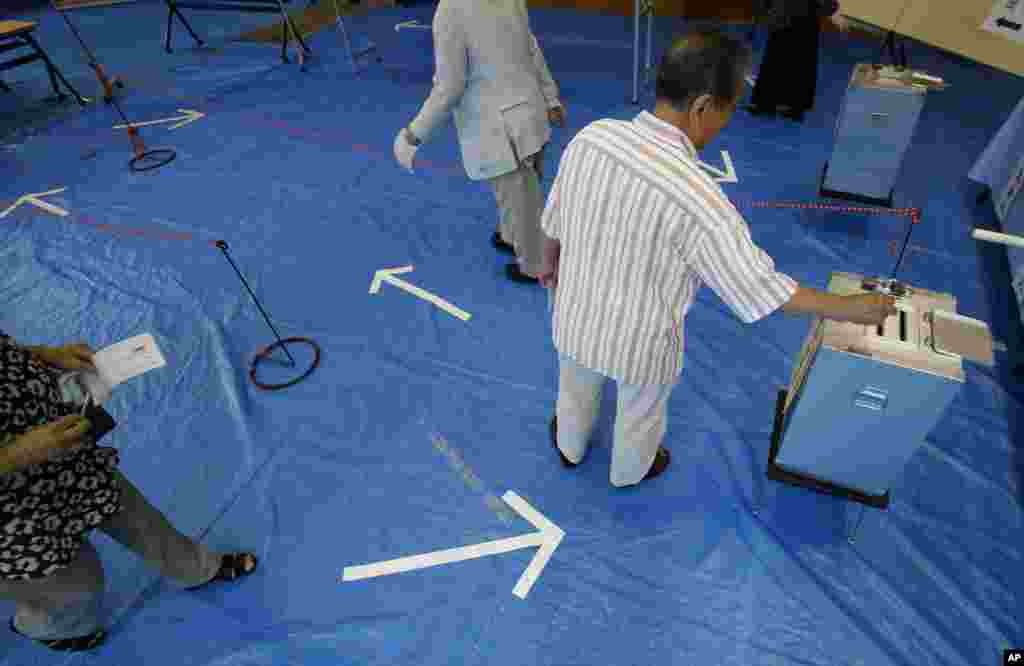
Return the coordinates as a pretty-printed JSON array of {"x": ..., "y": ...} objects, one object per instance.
[
  {"x": 340, "y": 24},
  {"x": 170, "y": 26},
  {"x": 298, "y": 35},
  {"x": 172, "y": 11},
  {"x": 286, "y": 31},
  {"x": 54, "y": 72},
  {"x": 353, "y": 55},
  {"x": 55, "y": 85},
  {"x": 299, "y": 38}
]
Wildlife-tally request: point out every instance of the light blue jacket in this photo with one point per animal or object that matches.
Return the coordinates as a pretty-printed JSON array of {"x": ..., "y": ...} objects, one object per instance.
[{"x": 491, "y": 75}]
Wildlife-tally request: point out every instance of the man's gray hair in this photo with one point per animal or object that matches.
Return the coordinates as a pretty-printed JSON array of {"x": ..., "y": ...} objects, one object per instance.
[{"x": 703, "y": 62}]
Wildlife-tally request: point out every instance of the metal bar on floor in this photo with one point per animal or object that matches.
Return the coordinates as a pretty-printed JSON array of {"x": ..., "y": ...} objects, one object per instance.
[
  {"x": 636, "y": 51},
  {"x": 353, "y": 55},
  {"x": 642, "y": 8}
]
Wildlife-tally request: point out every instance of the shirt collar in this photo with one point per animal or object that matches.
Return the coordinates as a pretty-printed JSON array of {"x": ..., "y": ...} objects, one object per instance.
[{"x": 666, "y": 132}]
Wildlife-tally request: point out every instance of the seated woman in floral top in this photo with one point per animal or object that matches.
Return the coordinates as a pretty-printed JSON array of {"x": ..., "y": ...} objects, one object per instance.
[{"x": 56, "y": 485}]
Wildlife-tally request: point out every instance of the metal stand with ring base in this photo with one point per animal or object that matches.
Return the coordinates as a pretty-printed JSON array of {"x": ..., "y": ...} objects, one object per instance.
[
  {"x": 147, "y": 160},
  {"x": 265, "y": 353},
  {"x": 144, "y": 159},
  {"x": 108, "y": 84}
]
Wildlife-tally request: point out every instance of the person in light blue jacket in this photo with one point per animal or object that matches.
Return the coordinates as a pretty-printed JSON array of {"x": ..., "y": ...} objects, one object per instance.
[{"x": 491, "y": 75}]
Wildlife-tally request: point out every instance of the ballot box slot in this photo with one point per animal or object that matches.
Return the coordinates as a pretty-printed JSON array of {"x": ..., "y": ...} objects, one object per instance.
[
  {"x": 901, "y": 329},
  {"x": 863, "y": 398}
]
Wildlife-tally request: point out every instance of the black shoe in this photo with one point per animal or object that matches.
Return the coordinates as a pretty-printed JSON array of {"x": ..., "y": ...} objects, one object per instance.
[
  {"x": 795, "y": 115},
  {"x": 755, "y": 110},
  {"x": 232, "y": 567},
  {"x": 513, "y": 273},
  {"x": 79, "y": 644},
  {"x": 497, "y": 242},
  {"x": 661, "y": 460},
  {"x": 554, "y": 440}
]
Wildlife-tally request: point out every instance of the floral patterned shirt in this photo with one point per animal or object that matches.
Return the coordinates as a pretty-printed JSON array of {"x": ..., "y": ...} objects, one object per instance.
[{"x": 46, "y": 510}]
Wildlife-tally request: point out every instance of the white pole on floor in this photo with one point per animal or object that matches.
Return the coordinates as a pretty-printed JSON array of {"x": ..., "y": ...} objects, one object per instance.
[{"x": 995, "y": 237}]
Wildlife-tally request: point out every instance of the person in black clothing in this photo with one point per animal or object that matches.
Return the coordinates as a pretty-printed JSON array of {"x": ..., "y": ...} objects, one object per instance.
[{"x": 788, "y": 76}]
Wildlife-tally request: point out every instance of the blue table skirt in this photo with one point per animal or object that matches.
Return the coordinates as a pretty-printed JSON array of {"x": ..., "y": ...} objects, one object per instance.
[{"x": 996, "y": 166}]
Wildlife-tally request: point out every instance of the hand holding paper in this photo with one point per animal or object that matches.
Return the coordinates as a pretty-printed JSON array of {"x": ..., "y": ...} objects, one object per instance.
[{"x": 120, "y": 362}]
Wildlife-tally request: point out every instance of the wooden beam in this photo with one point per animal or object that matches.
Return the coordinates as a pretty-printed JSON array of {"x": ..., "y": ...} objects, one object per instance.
[{"x": 728, "y": 11}]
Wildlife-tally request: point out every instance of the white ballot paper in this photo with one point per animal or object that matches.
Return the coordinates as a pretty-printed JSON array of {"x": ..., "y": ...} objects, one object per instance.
[
  {"x": 120, "y": 362},
  {"x": 1007, "y": 19}
]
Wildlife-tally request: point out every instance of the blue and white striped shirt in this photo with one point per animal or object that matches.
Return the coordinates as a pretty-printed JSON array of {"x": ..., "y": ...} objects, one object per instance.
[{"x": 642, "y": 227}]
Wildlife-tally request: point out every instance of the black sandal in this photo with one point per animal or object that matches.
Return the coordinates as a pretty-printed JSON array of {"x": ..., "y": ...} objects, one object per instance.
[
  {"x": 79, "y": 644},
  {"x": 512, "y": 272},
  {"x": 232, "y": 567}
]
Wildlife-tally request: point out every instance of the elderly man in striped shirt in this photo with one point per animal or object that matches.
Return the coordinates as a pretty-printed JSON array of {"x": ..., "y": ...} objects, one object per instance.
[{"x": 634, "y": 227}]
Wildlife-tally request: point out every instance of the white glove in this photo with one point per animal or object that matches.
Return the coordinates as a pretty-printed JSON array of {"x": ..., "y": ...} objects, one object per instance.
[{"x": 405, "y": 152}]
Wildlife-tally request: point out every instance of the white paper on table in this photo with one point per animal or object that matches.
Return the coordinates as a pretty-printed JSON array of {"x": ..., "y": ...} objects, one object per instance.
[
  {"x": 1007, "y": 19},
  {"x": 120, "y": 362}
]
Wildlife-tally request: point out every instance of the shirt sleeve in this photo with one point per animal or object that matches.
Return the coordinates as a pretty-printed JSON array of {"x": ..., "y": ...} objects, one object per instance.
[
  {"x": 551, "y": 219},
  {"x": 740, "y": 272},
  {"x": 451, "y": 58}
]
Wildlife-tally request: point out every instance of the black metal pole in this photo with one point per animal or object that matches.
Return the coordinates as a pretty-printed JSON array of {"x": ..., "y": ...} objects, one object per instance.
[
  {"x": 117, "y": 106},
  {"x": 906, "y": 240},
  {"x": 92, "y": 58},
  {"x": 223, "y": 246}
]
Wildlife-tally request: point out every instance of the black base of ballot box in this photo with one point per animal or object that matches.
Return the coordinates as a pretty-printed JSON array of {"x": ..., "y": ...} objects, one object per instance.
[
  {"x": 777, "y": 473},
  {"x": 850, "y": 196}
]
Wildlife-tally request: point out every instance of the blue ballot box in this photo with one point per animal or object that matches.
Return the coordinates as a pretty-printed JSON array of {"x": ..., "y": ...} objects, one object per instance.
[
  {"x": 862, "y": 399},
  {"x": 876, "y": 124}
]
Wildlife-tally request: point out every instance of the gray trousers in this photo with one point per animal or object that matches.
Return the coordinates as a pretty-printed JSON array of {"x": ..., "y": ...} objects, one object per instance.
[
  {"x": 520, "y": 196},
  {"x": 67, "y": 603}
]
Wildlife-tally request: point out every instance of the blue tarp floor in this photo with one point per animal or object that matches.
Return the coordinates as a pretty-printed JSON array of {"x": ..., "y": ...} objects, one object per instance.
[{"x": 417, "y": 423}]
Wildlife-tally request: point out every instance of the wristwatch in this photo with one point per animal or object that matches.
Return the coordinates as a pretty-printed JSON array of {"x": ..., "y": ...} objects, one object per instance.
[{"x": 411, "y": 138}]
